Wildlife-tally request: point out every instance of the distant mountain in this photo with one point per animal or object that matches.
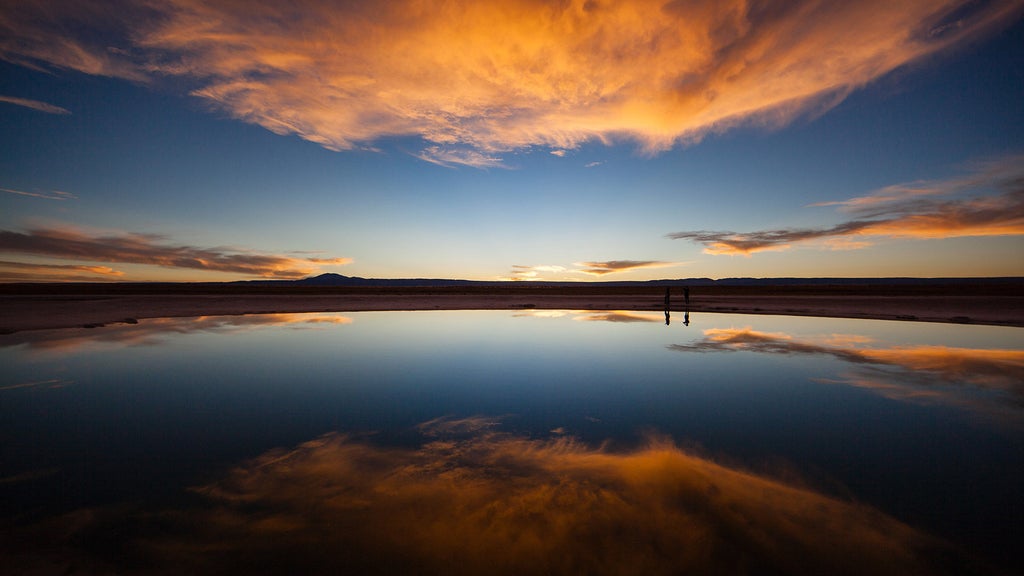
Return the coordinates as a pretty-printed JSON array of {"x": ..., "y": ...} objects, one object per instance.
[{"x": 331, "y": 279}]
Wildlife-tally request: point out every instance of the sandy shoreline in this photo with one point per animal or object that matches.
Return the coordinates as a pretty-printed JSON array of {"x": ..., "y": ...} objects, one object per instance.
[{"x": 21, "y": 312}]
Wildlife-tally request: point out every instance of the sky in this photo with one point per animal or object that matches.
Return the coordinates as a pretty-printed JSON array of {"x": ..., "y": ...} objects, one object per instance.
[{"x": 583, "y": 140}]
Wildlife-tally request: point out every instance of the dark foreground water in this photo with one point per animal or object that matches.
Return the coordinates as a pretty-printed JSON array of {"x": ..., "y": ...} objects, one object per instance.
[{"x": 507, "y": 442}]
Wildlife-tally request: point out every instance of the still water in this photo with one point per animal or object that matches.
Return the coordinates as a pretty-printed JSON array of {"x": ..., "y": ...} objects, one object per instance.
[{"x": 511, "y": 442}]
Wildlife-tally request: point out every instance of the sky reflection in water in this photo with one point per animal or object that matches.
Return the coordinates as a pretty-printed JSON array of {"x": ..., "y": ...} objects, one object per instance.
[{"x": 515, "y": 442}]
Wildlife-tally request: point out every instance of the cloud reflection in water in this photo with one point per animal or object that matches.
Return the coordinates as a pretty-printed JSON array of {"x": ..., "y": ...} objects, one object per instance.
[
  {"x": 990, "y": 381},
  {"x": 620, "y": 316},
  {"x": 474, "y": 500},
  {"x": 153, "y": 331}
]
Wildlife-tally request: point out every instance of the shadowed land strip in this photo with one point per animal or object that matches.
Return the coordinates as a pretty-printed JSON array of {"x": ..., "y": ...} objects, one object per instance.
[{"x": 33, "y": 307}]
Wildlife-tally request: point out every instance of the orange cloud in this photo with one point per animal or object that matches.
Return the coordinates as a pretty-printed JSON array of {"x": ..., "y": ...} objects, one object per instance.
[
  {"x": 474, "y": 79},
  {"x": 988, "y": 202},
  {"x": 148, "y": 249}
]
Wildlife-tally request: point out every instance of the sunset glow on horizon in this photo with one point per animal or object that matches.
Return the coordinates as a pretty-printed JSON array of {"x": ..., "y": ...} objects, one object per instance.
[{"x": 579, "y": 140}]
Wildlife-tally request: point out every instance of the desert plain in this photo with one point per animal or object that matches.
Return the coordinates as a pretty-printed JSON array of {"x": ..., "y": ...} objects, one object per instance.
[{"x": 48, "y": 306}]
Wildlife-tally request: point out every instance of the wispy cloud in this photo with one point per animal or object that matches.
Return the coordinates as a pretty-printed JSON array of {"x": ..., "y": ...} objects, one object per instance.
[
  {"x": 528, "y": 272},
  {"x": 987, "y": 202},
  {"x": 449, "y": 157},
  {"x": 153, "y": 250},
  {"x": 35, "y": 105},
  {"x": 499, "y": 76},
  {"x": 51, "y": 195},
  {"x": 88, "y": 37},
  {"x": 616, "y": 266}
]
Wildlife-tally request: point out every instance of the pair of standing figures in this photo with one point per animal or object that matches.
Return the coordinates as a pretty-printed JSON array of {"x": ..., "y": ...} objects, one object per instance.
[{"x": 686, "y": 305}]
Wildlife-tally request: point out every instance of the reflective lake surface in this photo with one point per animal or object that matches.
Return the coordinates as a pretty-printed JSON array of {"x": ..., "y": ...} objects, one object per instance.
[{"x": 511, "y": 442}]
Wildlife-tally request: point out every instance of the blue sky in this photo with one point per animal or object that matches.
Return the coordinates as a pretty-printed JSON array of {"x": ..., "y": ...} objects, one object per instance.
[{"x": 816, "y": 141}]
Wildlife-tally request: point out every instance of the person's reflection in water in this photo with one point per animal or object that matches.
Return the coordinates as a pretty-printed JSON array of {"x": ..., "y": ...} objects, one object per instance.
[{"x": 668, "y": 305}]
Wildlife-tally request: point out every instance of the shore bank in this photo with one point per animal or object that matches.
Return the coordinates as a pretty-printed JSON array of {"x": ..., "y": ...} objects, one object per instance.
[{"x": 1002, "y": 307}]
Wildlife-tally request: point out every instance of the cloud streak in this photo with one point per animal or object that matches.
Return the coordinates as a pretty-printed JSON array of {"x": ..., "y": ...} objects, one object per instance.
[
  {"x": 35, "y": 105},
  {"x": 52, "y": 195},
  {"x": 522, "y": 272},
  {"x": 51, "y": 383},
  {"x": 987, "y": 202},
  {"x": 149, "y": 249},
  {"x": 616, "y": 266},
  {"x": 17, "y": 271},
  {"x": 476, "y": 79},
  {"x": 595, "y": 268}
]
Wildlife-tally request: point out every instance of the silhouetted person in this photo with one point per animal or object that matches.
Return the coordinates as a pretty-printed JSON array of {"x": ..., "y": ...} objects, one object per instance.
[
  {"x": 686, "y": 296},
  {"x": 686, "y": 318},
  {"x": 668, "y": 318}
]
